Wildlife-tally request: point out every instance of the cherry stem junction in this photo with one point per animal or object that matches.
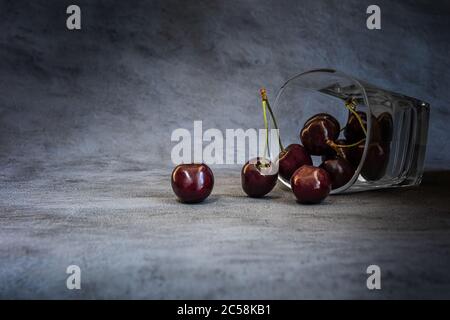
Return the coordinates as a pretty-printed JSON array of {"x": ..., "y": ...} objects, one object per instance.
[{"x": 350, "y": 104}]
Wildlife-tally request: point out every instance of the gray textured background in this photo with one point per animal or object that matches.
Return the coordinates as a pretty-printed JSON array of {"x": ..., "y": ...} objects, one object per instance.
[
  {"x": 139, "y": 69},
  {"x": 85, "y": 124}
]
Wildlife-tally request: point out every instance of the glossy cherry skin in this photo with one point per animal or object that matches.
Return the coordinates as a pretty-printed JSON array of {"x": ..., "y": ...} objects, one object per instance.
[
  {"x": 386, "y": 126},
  {"x": 258, "y": 177},
  {"x": 353, "y": 131},
  {"x": 310, "y": 184},
  {"x": 339, "y": 170},
  {"x": 317, "y": 132},
  {"x": 291, "y": 158},
  {"x": 324, "y": 116},
  {"x": 192, "y": 183}
]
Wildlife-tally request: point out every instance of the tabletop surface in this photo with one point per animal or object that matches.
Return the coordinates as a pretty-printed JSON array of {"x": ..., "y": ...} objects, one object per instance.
[{"x": 121, "y": 224}]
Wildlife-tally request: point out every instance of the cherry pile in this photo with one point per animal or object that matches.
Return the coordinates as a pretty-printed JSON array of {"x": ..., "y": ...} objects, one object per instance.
[
  {"x": 340, "y": 157},
  {"x": 193, "y": 183}
]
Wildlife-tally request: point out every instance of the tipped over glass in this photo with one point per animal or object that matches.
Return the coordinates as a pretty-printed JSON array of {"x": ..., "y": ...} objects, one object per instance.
[{"x": 393, "y": 151}]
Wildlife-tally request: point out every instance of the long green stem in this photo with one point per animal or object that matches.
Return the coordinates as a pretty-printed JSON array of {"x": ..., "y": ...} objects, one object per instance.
[
  {"x": 274, "y": 121},
  {"x": 266, "y": 127}
]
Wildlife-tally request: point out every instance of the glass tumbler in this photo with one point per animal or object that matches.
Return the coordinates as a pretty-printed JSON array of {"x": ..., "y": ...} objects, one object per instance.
[{"x": 393, "y": 150}]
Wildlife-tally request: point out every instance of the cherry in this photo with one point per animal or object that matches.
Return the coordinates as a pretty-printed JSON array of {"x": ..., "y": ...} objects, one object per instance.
[
  {"x": 292, "y": 158},
  {"x": 258, "y": 177},
  {"x": 192, "y": 183},
  {"x": 324, "y": 116},
  {"x": 310, "y": 184},
  {"x": 386, "y": 126},
  {"x": 354, "y": 154},
  {"x": 334, "y": 154},
  {"x": 317, "y": 132},
  {"x": 353, "y": 131},
  {"x": 377, "y": 158},
  {"x": 339, "y": 170},
  {"x": 376, "y": 161}
]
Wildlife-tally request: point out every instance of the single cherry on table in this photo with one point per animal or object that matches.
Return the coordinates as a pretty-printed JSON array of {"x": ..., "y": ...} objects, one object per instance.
[
  {"x": 291, "y": 158},
  {"x": 258, "y": 177},
  {"x": 192, "y": 183},
  {"x": 310, "y": 184}
]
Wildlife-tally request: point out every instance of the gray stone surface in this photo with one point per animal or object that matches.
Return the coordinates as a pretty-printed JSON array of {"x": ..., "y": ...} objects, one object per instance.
[
  {"x": 122, "y": 225},
  {"x": 85, "y": 125}
]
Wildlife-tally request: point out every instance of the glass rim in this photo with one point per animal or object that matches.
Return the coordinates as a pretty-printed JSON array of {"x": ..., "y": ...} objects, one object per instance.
[{"x": 369, "y": 119}]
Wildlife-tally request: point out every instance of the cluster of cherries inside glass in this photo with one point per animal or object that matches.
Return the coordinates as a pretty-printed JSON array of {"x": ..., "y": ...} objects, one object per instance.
[{"x": 320, "y": 137}]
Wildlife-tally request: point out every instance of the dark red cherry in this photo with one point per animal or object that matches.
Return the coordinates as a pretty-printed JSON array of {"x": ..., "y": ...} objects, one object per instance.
[
  {"x": 192, "y": 183},
  {"x": 386, "y": 126},
  {"x": 340, "y": 152},
  {"x": 354, "y": 154},
  {"x": 258, "y": 177},
  {"x": 310, "y": 184},
  {"x": 339, "y": 170},
  {"x": 353, "y": 131},
  {"x": 292, "y": 158},
  {"x": 377, "y": 159},
  {"x": 317, "y": 132},
  {"x": 324, "y": 116}
]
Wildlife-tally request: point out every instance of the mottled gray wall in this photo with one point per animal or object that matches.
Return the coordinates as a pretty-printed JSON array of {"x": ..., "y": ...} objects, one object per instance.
[{"x": 139, "y": 69}]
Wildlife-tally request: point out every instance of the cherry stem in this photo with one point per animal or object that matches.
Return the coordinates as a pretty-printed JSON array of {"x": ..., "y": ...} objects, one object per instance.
[
  {"x": 266, "y": 127},
  {"x": 265, "y": 101},
  {"x": 335, "y": 146},
  {"x": 350, "y": 104}
]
